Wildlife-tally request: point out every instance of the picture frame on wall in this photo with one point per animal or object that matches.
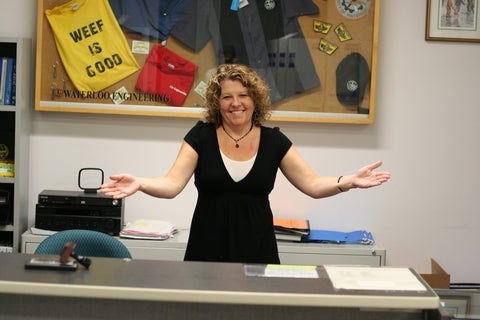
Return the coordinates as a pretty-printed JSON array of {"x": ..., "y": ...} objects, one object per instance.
[
  {"x": 318, "y": 57},
  {"x": 453, "y": 20}
]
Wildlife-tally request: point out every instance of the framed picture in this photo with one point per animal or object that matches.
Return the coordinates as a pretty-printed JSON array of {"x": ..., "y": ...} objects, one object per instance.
[
  {"x": 112, "y": 56},
  {"x": 455, "y": 305},
  {"x": 453, "y": 20}
]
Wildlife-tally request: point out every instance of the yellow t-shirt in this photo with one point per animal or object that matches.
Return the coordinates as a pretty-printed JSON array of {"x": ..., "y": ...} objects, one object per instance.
[{"x": 91, "y": 44}]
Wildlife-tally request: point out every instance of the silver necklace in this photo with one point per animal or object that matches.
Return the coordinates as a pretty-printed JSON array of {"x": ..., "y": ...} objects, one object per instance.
[{"x": 238, "y": 139}]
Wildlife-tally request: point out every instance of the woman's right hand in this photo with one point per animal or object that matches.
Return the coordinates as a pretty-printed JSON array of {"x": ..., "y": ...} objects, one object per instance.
[{"x": 121, "y": 186}]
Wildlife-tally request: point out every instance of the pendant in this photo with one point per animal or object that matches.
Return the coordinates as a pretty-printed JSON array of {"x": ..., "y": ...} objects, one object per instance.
[{"x": 237, "y": 146}]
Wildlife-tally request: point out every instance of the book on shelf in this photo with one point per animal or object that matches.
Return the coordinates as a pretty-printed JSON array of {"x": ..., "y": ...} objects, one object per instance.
[
  {"x": 9, "y": 78},
  {"x": 6, "y": 246},
  {"x": 6, "y": 249},
  {"x": 14, "y": 84},
  {"x": 3, "y": 74},
  {"x": 292, "y": 226}
]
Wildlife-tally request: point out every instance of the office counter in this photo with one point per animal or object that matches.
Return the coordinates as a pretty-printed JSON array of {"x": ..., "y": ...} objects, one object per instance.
[{"x": 146, "y": 289}]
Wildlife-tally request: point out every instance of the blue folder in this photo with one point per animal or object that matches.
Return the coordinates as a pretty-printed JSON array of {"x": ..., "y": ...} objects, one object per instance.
[{"x": 329, "y": 236}]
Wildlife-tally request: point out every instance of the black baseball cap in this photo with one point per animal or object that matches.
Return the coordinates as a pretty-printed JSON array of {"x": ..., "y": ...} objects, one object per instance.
[{"x": 353, "y": 77}]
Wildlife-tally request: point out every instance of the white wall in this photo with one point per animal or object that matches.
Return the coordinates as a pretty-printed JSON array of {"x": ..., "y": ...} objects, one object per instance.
[{"x": 426, "y": 131}]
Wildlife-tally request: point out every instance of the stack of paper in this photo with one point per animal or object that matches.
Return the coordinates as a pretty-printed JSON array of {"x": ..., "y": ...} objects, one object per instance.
[
  {"x": 291, "y": 229},
  {"x": 149, "y": 229}
]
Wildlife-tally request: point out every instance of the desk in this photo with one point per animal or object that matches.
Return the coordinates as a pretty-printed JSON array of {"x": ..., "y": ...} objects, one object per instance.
[
  {"x": 146, "y": 289},
  {"x": 290, "y": 253}
]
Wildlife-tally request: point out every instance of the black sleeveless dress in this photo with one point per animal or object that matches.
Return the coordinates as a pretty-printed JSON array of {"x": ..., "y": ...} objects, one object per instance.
[{"x": 233, "y": 221}]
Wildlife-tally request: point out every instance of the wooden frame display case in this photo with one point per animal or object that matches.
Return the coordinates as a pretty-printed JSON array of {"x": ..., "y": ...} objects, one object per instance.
[{"x": 319, "y": 57}]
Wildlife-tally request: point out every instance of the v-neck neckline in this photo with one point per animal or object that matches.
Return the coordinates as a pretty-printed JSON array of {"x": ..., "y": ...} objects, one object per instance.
[{"x": 220, "y": 152}]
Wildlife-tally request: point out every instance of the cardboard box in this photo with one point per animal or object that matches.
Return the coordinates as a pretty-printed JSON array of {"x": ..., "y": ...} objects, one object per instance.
[{"x": 439, "y": 278}]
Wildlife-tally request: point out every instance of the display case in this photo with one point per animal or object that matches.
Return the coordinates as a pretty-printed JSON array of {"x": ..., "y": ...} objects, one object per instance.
[{"x": 318, "y": 57}]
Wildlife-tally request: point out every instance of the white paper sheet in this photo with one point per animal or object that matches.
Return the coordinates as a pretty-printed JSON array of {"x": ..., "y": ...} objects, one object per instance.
[{"x": 373, "y": 278}]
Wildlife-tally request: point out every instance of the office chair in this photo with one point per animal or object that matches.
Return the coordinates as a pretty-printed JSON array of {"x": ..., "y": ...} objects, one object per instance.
[{"x": 88, "y": 243}]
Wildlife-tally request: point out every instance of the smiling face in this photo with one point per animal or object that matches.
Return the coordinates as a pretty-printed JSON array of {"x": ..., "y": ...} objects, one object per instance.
[
  {"x": 258, "y": 90},
  {"x": 236, "y": 106}
]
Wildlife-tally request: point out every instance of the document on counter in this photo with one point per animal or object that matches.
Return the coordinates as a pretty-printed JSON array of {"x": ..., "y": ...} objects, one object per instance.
[
  {"x": 373, "y": 278},
  {"x": 281, "y": 271}
]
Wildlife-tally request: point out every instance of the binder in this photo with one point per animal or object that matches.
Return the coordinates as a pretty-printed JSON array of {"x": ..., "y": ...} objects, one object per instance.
[
  {"x": 329, "y": 236},
  {"x": 292, "y": 226}
]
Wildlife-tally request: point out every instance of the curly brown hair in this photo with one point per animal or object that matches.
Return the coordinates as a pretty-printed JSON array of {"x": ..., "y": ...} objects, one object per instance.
[{"x": 258, "y": 90}]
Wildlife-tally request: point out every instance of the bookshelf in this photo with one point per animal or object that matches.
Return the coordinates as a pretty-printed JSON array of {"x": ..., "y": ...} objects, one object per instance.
[{"x": 14, "y": 145}]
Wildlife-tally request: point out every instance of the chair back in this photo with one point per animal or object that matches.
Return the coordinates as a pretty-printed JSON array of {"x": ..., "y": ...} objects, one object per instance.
[{"x": 88, "y": 243}]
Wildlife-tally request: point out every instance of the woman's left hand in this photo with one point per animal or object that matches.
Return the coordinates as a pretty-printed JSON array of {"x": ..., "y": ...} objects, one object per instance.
[{"x": 367, "y": 177}]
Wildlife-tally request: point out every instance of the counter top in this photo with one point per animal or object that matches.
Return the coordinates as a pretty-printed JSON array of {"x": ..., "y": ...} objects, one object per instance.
[{"x": 198, "y": 282}]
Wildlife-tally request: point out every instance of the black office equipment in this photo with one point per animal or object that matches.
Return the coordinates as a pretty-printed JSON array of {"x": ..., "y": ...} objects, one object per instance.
[{"x": 59, "y": 210}]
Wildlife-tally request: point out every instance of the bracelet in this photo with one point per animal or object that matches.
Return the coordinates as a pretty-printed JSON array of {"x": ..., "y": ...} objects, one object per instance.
[{"x": 338, "y": 181}]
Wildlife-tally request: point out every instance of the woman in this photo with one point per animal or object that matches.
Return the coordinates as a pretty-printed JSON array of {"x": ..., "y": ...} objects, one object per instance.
[{"x": 235, "y": 160}]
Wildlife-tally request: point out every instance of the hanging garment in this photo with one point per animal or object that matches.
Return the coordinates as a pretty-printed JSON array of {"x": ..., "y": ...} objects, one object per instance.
[
  {"x": 151, "y": 18},
  {"x": 167, "y": 74},
  {"x": 91, "y": 44},
  {"x": 264, "y": 34}
]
